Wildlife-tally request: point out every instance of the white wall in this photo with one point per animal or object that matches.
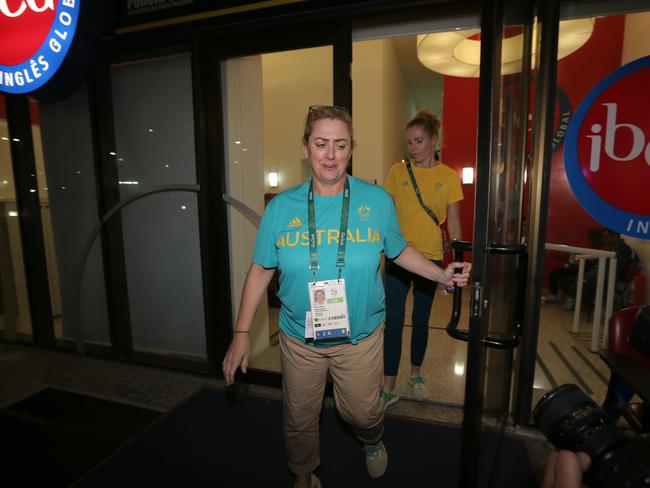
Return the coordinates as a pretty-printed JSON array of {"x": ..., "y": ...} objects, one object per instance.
[
  {"x": 381, "y": 105},
  {"x": 367, "y": 110},
  {"x": 245, "y": 183},
  {"x": 636, "y": 44},
  {"x": 398, "y": 108},
  {"x": 292, "y": 81},
  {"x": 266, "y": 104}
]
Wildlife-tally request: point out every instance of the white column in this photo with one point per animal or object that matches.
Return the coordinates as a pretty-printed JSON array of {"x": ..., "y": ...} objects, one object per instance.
[
  {"x": 578, "y": 302},
  {"x": 609, "y": 304},
  {"x": 598, "y": 306}
]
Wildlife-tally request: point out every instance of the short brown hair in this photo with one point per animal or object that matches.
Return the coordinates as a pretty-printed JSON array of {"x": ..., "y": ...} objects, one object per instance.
[{"x": 320, "y": 112}]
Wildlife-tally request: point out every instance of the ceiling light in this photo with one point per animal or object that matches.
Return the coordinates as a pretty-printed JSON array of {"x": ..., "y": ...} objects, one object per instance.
[{"x": 458, "y": 53}]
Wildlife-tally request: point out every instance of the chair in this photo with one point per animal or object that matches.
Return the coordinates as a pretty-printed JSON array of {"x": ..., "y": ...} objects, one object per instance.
[{"x": 620, "y": 328}]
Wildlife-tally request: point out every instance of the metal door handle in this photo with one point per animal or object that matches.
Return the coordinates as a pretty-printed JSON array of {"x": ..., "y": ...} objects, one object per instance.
[{"x": 452, "y": 327}]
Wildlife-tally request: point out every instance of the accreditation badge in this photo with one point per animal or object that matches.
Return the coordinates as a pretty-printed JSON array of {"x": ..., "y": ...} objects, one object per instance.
[{"x": 329, "y": 310}]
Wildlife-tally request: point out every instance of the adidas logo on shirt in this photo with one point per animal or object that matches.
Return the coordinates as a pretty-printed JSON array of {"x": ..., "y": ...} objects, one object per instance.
[{"x": 295, "y": 222}]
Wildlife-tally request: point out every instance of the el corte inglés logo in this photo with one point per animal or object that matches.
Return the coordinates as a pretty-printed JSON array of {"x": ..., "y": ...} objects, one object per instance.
[{"x": 35, "y": 36}]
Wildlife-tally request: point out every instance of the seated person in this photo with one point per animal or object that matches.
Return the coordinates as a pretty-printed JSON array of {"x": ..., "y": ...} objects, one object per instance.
[
  {"x": 565, "y": 278},
  {"x": 611, "y": 242}
]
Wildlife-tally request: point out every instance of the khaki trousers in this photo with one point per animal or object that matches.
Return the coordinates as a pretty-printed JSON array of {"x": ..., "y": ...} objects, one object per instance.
[{"x": 357, "y": 373}]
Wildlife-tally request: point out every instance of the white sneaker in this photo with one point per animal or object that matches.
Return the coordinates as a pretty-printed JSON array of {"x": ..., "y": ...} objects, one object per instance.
[
  {"x": 420, "y": 391},
  {"x": 388, "y": 397},
  {"x": 376, "y": 459}
]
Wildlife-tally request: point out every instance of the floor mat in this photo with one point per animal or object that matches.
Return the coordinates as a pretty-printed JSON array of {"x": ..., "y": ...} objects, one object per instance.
[
  {"x": 53, "y": 437},
  {"x": 218, "y": 441}
]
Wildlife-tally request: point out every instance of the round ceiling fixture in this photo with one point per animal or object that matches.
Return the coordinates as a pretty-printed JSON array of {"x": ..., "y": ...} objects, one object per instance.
[{"x": 458, "y": 53}]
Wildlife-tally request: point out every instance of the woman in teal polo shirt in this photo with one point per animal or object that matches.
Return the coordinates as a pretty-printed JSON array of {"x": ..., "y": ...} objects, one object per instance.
[{"x": 329, "y": 233}]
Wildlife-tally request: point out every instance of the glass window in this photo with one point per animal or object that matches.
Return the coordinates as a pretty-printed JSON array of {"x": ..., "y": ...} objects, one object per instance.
[
  {"x": 266, "y": 101},
  {"x": 67, "y": 192},
  {"x": 46, "y": 220},
  {"x": 15, "y": 320},
  {"x": 154, "y": 136},
  {"x": 610, "y": 40}
]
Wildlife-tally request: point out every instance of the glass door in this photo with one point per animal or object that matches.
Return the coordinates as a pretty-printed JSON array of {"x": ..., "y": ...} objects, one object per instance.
[
  {"x": 498, "y": 254},
  {"x": 614, "y": 35},
  {"x": 265, "y": 95},
  {"x": 264, "y": 158}
]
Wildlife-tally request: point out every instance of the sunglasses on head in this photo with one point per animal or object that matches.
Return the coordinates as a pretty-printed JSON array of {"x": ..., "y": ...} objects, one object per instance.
[{"x": 336, "y": 108}]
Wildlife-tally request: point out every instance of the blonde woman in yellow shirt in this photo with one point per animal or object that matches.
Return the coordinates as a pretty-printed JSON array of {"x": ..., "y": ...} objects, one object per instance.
[{"x": 440, "y": 191}]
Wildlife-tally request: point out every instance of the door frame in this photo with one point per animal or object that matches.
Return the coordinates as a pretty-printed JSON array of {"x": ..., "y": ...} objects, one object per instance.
[
  {"x": 208, "y": 56},
  {"x": 488, "y": 123},
  {"x": 539, "y": 176},
  {"x": 492, "y": 23}
]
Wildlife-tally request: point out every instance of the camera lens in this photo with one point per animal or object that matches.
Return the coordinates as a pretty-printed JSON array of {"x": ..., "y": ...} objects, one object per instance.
[{"x": 571, "y": 420}]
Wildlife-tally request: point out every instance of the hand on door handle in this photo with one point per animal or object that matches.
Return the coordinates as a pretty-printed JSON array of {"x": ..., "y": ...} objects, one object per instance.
[{"x": 477, "y": 295}]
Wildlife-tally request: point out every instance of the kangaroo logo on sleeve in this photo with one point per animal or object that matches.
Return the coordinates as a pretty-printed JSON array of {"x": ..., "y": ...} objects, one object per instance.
[
  {"x": 607, "y": 151},
  {"x": 35, "y": 36}
]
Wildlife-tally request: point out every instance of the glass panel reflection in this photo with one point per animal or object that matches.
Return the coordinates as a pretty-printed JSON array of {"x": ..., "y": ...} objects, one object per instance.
[
  {"x": 568, "y": 322},
  {"x": 266, "y": 100},
  {"x": 46, "y": 219},
  {"x": 15, "y": 320},
  {"x": 154, "y": 135}
]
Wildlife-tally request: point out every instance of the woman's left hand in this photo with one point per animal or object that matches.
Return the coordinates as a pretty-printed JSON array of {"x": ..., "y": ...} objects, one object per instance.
[{"x": 452, "y": 278}]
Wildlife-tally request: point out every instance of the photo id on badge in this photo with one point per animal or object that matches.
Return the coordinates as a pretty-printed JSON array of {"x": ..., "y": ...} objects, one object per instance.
[{"x": 329, "y": 310}]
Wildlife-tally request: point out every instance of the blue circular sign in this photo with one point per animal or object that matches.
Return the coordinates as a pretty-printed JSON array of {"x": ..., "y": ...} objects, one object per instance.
[
  {"x": 590, "y": 141},
  {"x": 41, "y": 66}
]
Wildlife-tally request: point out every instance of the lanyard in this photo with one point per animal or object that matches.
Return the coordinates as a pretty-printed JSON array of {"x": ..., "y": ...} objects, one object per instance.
[
  {"x": 417, "y": 193},
  {"x": 313, "y": 243}
]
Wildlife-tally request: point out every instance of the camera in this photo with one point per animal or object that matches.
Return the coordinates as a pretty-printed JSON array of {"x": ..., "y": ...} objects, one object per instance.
[{"x": 571, "y": 420}]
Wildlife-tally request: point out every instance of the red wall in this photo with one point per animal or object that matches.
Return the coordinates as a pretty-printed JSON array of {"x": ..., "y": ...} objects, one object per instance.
[
  {"x": 458, "y": 148},
  {"x": 568, "y": 222},
  {"x": 577, "y": 73}
]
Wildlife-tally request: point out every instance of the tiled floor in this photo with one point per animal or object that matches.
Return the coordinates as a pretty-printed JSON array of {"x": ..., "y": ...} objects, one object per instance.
[{"x": 25, "y": 371}]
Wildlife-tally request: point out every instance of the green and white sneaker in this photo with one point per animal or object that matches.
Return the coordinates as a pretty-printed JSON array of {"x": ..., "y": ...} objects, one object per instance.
[
  {"x": 420, "y": 391},
  {"x": 376, "y": 459},
  {"x": 388, "y": 397}
]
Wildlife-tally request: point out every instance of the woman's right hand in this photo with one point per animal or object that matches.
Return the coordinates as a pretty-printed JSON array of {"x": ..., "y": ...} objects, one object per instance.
[
  {"x": 236, "y": 357},
  {"x": 457, "y": 274},
  {"x": 255, "y": 285}
]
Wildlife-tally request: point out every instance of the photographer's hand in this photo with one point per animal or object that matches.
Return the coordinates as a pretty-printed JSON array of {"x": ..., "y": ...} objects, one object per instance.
[{"x": 564, "y": 469}]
